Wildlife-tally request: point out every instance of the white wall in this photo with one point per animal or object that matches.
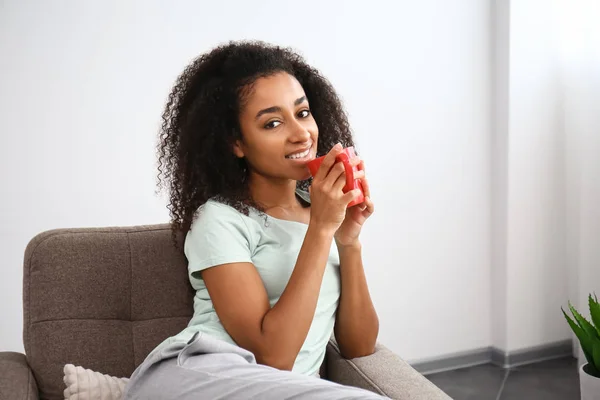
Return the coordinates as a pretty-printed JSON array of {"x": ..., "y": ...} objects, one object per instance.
[
  {"x": 536, "y": 252},
  {"x": 536, "y": 188},
  {"x": 83, "y": 84}
]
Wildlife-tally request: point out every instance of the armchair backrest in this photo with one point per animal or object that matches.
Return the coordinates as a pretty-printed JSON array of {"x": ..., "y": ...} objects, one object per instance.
[{"x": 101, "y": 298}]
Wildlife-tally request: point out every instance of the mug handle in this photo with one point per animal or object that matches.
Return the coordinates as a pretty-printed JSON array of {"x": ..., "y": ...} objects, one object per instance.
[{"x": 349, "y": 172}]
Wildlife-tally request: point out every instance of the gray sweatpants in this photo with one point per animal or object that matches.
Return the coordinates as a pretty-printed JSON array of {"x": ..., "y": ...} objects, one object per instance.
[{"x": 207, "y": 368}]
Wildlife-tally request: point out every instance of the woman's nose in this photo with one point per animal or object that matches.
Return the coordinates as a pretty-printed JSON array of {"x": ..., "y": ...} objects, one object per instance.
[{"x": 299, "y": 133}]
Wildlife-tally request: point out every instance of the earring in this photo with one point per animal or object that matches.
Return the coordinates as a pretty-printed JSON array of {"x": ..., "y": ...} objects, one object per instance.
[{"x": 244, "y": 168}]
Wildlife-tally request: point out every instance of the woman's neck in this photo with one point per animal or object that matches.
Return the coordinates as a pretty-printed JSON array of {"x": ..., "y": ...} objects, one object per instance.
[{"x": 269, "y": 193}]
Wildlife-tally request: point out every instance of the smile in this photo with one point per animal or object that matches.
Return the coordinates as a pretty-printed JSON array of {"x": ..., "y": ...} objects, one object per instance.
[{"x": 297, "y": 156}]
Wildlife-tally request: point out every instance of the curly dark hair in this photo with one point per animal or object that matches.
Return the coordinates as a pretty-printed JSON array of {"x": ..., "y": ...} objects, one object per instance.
[{"x": 200, "y": 124}]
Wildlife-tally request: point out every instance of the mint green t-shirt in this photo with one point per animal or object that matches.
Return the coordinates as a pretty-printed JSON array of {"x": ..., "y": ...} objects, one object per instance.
[{"x": 222, "y": 235}]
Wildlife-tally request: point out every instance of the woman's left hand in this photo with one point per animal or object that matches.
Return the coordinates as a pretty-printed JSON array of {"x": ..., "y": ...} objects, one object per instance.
[{"x": 348, "y": 232}]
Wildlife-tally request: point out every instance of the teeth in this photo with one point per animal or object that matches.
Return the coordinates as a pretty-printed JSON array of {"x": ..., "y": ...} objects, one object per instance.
[{"x": 299, "y": 155}]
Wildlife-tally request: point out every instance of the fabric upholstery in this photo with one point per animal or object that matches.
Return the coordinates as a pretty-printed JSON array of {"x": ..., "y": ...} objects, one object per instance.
[
  {"x": 382, "y": 372},
  {"x": 102, "y": 298},
  {"x": 16, "y": 379}
]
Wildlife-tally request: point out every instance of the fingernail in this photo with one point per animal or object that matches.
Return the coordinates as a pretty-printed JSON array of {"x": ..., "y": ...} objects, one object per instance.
[{"x": 338, "y": 146}]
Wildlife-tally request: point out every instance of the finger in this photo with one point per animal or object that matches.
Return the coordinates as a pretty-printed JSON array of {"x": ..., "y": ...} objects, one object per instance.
[
  {"x": 340, "y": 182},
  {"x": 359, "y": 174},
  {"x": 355, "y": 161},
  {"x": 351, "y": 196},
  {"x": 361, "y": 165},
  {"x": 366, "y": 188},
  {"x": 328, "y": 161},
  {"x": 337, "y": 173},
  {"x": 369, "y": 206}
]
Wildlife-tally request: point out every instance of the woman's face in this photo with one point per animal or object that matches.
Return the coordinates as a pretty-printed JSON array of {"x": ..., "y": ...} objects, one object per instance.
[{"x": 279, "y": 133}]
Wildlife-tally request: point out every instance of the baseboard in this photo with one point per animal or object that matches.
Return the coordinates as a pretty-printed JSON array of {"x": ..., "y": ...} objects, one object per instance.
[
  {"x": 531, "y": 355},
  {"x": 452, "y": 361},
  {"x": 495, "y": 356}
]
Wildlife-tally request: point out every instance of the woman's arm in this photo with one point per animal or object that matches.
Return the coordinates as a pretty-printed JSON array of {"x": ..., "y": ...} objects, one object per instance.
[
  {"x": 275, "y": 335},
  {"x": 356, "y": 325}
]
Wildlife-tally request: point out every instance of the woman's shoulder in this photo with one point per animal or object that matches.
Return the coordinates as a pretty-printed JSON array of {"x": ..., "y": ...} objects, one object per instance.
[
  {"x": 218, "y": 221},
  {"x": 217, "y": 212},
  {"x": 215, "y": 205},
  {"x": 218, "y": 235}
]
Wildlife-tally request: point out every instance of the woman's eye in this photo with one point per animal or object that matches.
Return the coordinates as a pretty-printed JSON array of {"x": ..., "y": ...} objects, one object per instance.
[
  {"x": 272, "y": 124},
  {"x": 304, "y": 113}
]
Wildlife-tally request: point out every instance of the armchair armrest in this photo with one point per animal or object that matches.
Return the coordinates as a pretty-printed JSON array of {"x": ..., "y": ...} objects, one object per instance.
[
  {"x": 382, "y": 372},
  {"x": 16, "y": 378}
]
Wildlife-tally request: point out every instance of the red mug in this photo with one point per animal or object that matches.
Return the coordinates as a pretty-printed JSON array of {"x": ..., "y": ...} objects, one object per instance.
[{"x": 344, "y": 157}]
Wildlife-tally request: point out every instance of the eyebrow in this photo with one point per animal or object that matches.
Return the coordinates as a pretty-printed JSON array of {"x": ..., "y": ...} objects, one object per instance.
[{"x": 278, "y": 109}]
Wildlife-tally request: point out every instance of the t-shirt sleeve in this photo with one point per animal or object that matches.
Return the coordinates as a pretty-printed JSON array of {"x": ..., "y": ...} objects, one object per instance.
[{"x": 218, "y": 236}]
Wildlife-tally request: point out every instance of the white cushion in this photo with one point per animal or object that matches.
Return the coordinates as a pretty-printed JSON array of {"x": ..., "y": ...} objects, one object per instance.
[{"x": 85, "y": 384}]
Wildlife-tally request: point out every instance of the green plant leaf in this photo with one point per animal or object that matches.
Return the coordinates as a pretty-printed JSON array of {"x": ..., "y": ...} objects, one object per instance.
[
  {"x": 584, "y": 323},
  {"x": 595, "y": 313},
  {"x": 584, "y": 340}
]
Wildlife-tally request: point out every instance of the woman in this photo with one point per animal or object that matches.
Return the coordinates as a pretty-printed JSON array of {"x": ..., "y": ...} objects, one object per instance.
[{"x": 276, "y": 270}]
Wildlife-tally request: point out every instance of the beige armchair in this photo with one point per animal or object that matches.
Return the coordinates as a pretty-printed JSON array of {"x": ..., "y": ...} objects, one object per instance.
[{"x": 103, "y": 298}]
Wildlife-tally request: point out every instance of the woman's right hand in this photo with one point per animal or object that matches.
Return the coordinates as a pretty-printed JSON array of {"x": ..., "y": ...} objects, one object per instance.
[{"x": 328, "y": 201}]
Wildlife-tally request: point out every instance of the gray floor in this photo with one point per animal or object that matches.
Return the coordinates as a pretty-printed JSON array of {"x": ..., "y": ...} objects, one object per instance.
[{"x": 548, "y": 380}]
